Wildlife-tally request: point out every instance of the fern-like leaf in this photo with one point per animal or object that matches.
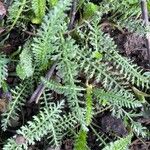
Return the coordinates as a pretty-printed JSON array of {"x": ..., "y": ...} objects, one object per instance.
[
  {"x": 19, "y": 95},
  {"x": 66, "y": 122},
  {"x": 12, "y": 145},
  {"x": 117, "y": 98},
  {"x": 81, "y": 141},
  {"x": 3, "y": 68},
  {"x": 39, "y": 7},
  {"x": 68, "y": 69},
  {"x": 68, "y": 91},
  {"x": 15, "y": 12},
  {"x": 139, "y": 129},
  {"x": 89, "y": 105},
  {"x": 43, "y": 45},
  {"x": 121, "y": 144},
  {"x": 25, "y": 68},
  {"x": 59, "y": 88},
  {"x": 41, "y": 124},
  {"x": 52, "y": 3},
  {"x": 130, "y": 71},
  {"x": 96, "y": 66}
]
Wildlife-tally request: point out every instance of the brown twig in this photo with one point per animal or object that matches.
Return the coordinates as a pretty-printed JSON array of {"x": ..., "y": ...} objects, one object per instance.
[
  {"x": 38, "y": 92},
  {"x": 30, "y": 33},
  {"x": 146, "y": 22},
  {"x": 73, "y": 13}
]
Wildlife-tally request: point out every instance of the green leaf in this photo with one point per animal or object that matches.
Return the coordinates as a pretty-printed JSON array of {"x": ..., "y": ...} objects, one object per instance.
[
  {"x": 20, "y": 72},
  {"x": 89, "y": 105},
  {"x": 3, "y": 68},
  {"x": 121, "y": 144},
  {"x": 25, "y": 68},
  {"x": 97, "y": 55},
  {"x": 89, "y": 10},
  {"x": 52, "y": 3},
  {"x": 81, "y": 141},
  {"x": 104, "y": 102},
  {"x": 132, "y": 1},
  {"x": 147, "y": 74},
  {"x": 39, "y": 8}
]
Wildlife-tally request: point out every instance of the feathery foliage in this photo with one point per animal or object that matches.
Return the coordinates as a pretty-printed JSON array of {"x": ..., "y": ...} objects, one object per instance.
[
  {"x": 39, "y": 7},
  {"x": 65, "y": 123},
  {"x": 125, "y": 14},
  {"x": 89, "y": 10},
  {"x": 3, "y": 68},
  {"x": 52, "y": 2},
  {"x": 81, "y": 141},
  {"x": 97, "y": 66},
  {"x": 121, "y": 144},
  {"x": 16, "y": 12},
  {"x": 22, "y": 11},
  {"x": 131, "y": 72},
  {"x": 25, "y": 68},
  {"x": 84, "y": 54},
  {"x": 89, "y": 105},
  {"x": 48, "y": 122},
  {"x": 39, "y": 127},
  {"x": 43, "y": 45},
  {"x": 19, "y": 95},
  {"x": 116, "y": 98},
  {"x": 11, "y": 144}
]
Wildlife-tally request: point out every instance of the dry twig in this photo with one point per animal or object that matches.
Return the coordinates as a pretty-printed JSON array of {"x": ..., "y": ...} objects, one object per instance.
[
  {"x": 38, "y": 92},
  {"x": 73, "y": 13},
  {"x": 146, "y": 22}
]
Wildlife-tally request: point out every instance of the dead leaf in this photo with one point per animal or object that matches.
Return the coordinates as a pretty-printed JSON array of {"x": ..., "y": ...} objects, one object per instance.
[
  {"x": 20, "y": 139},
  {"x": 2, "y": 10},
  {"x": 56, "y": 148},
  {"x": 3, "y": 105},
  {"x": 111, "y": 124},
  {"x": 4, "y": 100},
  {"x": 2, "y": 30}
]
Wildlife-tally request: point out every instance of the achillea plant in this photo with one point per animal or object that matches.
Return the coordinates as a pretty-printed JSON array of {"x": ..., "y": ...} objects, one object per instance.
[{"x": 95, "y": 56}]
